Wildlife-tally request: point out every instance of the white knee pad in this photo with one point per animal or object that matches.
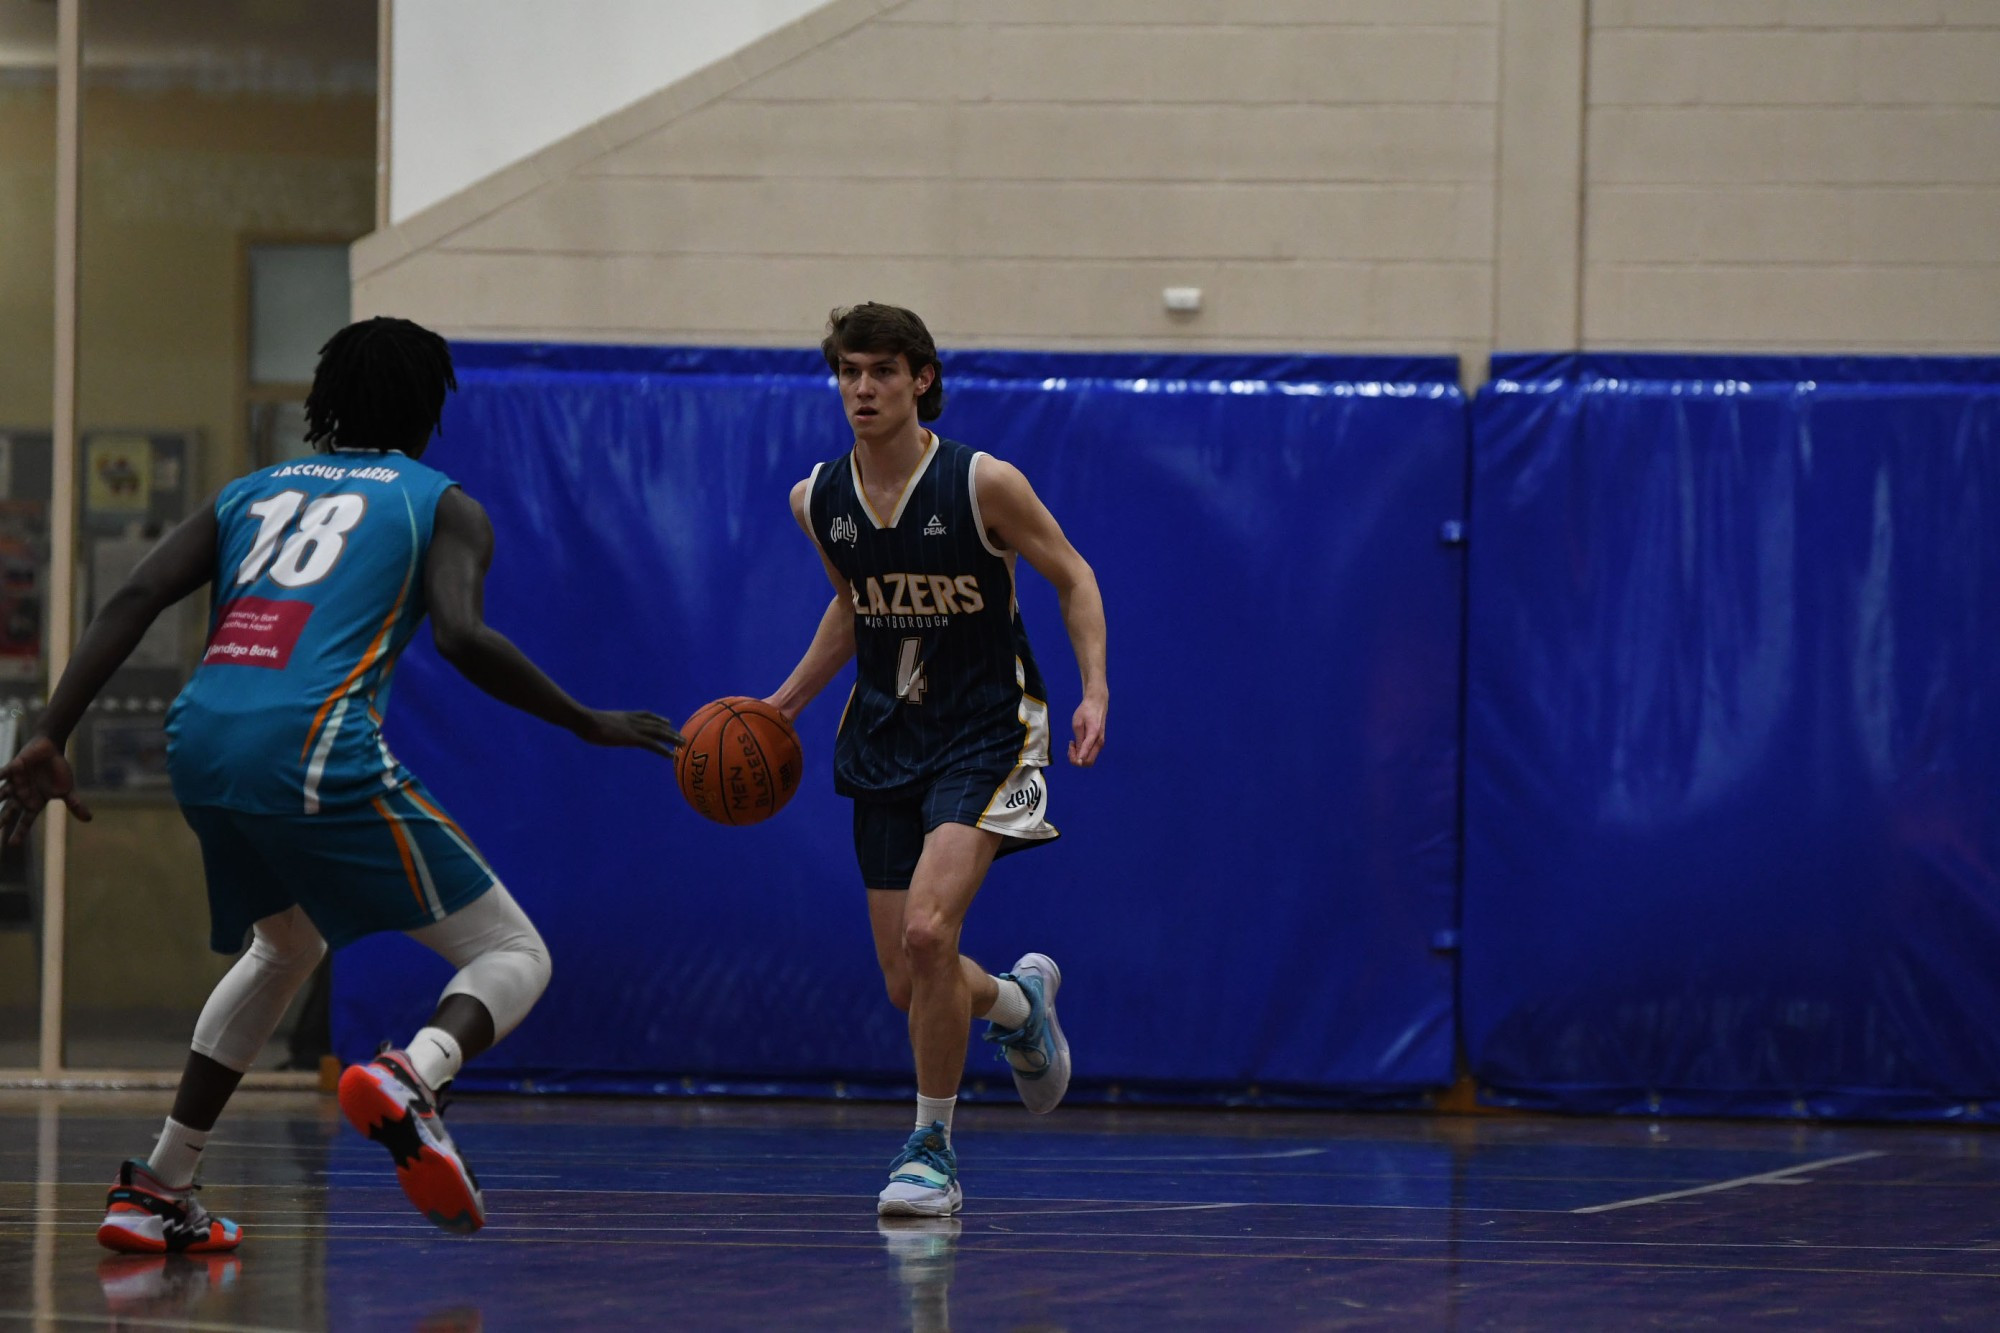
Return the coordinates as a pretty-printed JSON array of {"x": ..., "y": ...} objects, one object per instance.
[
  {"x": 502, "y": 962},
  {"x": 247, "y": 1004}
]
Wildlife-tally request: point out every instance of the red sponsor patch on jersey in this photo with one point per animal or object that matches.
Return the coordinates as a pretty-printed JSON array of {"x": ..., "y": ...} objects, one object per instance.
[{"x": 256, "y": 631}]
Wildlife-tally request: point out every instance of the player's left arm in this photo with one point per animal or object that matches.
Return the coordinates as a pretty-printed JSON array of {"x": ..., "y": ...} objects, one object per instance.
[
  {"x": 183, "y": 562},
  {"x": 461, "y": 552},
  {"x": 1017, "y": 519}
]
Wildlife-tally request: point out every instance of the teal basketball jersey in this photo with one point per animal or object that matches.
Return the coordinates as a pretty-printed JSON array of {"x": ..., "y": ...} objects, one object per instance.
[{"x": 318, "y": 588}]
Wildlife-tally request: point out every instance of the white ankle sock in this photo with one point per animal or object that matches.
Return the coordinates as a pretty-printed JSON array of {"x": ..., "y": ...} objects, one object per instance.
[
  {"x": 177, "y": 1154},
  {"x": 1010, "y": 1008},
  {"x": 435, "y": 1055},
  {"x": 936, "y": 1109}
]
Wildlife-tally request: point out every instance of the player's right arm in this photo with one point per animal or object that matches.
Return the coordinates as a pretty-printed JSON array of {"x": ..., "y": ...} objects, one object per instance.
[
  {"x": 832, "y": 645},
  {"x": 461, "y": 551},
  {"x": 183, "y": 562}
]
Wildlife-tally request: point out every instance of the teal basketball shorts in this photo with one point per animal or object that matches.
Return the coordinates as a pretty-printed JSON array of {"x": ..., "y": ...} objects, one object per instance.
[{"x": 396, "y": 863}]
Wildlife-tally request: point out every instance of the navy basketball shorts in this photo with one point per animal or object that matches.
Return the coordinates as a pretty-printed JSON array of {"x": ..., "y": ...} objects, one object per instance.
[
  {"x": 889, "y": 834},
  {"x": 396, "y": 863}
]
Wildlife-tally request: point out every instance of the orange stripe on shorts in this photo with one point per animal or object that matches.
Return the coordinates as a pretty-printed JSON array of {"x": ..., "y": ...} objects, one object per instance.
[
  {"x": 402, "y": 850},
  {"x": 435, "y": 813}
]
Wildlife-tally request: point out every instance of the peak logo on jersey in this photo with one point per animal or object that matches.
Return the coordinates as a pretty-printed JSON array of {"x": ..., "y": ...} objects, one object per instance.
[
  {"x": 919, "y": 595},
  {"x": 257, "y": 631},
  {"x": 1029, "y": 798},
  {"x": 844, "y": 529},
  {"x": 934, "y": 528}
]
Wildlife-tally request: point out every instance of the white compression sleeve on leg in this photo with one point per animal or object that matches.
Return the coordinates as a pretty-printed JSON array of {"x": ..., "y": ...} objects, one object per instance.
[
  {"x": 245, "y": 1007},
  {"x": 501, "y": 960}
]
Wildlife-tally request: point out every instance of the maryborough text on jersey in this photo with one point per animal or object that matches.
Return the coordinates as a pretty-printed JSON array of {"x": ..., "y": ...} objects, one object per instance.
[{"x": 916, "y": 601}]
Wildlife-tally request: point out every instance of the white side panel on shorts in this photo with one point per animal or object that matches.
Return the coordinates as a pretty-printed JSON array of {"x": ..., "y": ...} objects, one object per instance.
[
  {"x": 1034, "y": 715},
  {"x": 1020, "y": 809}
]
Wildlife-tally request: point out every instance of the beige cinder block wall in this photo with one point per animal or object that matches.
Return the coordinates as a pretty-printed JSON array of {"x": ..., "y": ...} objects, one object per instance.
[
  {"x": 1395, "y": 175},
  {"x": 1804, "y": 174},
  {"x": 1025, "y": 172}
]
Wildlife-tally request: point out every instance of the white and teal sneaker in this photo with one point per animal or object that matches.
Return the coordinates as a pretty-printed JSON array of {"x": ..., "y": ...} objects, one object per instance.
[
  {"x": 923, "y": 1180},
  {"x": 1037, "y": 1051}
]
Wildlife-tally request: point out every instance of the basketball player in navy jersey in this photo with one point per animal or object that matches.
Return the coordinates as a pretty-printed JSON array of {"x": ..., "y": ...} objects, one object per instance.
[
  {"x": 946, "y": 734},
  {"x": 312, "y": 834}
]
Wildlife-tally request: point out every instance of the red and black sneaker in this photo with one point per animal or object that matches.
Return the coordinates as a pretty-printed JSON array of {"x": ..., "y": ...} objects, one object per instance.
[
  {"x": 386, "y": 1101},
  {"x": 142, "y": 1216}
]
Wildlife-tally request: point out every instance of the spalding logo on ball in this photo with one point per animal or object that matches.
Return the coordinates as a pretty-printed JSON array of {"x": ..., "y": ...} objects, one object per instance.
[{"x": 741, "y": 762}]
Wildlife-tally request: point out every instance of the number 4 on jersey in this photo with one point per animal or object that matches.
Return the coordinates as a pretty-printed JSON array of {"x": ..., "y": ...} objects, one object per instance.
[
  {"x": 310, "y": 552},
  {"x": 910, "y": 683}
]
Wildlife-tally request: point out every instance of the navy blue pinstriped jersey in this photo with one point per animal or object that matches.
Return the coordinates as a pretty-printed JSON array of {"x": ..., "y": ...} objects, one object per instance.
[{"x": 944, "y": 677}]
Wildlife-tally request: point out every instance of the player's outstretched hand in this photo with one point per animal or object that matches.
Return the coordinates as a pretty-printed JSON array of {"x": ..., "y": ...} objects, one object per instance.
[
  {"x": 1088, "y": 724},
  {"x": 643, "y": 731},
  {"x": 34, "y": 777}
]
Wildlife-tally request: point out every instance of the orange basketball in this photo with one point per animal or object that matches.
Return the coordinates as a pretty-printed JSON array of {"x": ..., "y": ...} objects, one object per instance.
[{"x": 741, "y": 762}]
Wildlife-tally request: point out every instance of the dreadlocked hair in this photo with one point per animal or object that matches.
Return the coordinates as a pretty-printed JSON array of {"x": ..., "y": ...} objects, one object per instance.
[{"x": 380, "y": 385}]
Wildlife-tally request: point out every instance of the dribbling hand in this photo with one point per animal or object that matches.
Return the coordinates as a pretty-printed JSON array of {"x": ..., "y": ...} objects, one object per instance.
[
  {"x": 34, "y": 777},
  {"x": 640, "y": 731},
  {"x": 1088, "y": 724}
]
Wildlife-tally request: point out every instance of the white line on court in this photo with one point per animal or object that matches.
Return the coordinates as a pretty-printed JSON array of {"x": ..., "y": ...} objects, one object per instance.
[
  {"x": 1200, "y": 1156},
  {"x": 1762, "y": 1178},
  {"x": 388, "y": 1183},
  {"x": 139, "y": 1321},
  {"x": 376, "y": 1176},
  {"x": 82, "y": 1221},
  {"x": 1136, "y": 1208}
]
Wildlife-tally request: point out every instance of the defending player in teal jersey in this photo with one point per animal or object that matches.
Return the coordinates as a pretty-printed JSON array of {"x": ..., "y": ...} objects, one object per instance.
[
  {"x": 946, "y": 734},
  {"x": 312, "y": 834}
]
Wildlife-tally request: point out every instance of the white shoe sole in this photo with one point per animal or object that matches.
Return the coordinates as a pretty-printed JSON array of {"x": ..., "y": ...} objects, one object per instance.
[
  {"x": 938, "y": 1205},
  {"x": 1044, "y": 1092}
]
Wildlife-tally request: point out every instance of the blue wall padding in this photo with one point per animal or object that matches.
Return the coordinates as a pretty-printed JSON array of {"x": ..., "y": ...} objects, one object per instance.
[
  {"x": 1251, "y": 885},
  {"x": 1733, "y": 735}
]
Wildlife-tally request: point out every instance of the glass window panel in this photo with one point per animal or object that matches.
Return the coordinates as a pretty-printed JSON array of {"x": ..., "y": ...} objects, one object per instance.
[
  {"x": 278, "y": 432},
  {"x": 298, "y": 296},
  {"x": 27, "y": 387},
  {"x": 228, "y": 159}
]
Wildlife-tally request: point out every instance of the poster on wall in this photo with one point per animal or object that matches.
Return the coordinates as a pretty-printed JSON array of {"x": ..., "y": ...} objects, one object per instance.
[
  {"x": 112, "y": 560},
  {"x": 23, "y": 562},
  {"x": 135, "y": 486},
  {"x": 129, "y": 751},
  {"x": 118, "y": 475}
]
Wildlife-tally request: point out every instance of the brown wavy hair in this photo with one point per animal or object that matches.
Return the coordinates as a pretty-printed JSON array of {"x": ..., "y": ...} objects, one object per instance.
[{"x": 874, "y": 327}]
